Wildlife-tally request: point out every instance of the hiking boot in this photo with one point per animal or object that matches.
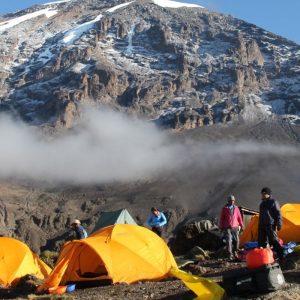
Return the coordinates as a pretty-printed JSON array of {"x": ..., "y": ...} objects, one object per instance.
[
  {"x": 236, "y": 255},
  {"x": 231, "y": 258}
]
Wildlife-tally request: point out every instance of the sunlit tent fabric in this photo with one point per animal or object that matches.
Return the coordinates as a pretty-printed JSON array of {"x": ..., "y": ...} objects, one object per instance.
[
  {"x": 290, "y": 226},
  {"x": 17, "y": 260},
  {"x": 122, "y": 252},
  {"x": 250, "y": 232},
  {"x": 121, "y": 216},
  {"x": 204, "y": 288}
]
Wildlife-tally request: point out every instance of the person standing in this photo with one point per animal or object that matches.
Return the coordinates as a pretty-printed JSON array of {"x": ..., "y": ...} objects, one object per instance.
[
  {"x": 269, "y": 222},
  {"x": 231, "y": 223},
  {"x": 80, "y": 232},
  {"x": 156, "y": 221}
]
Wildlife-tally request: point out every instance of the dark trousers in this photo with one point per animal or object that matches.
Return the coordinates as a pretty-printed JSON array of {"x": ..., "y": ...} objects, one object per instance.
[
  {"x": 157, "y": 230},
  {"x": 266, "y": 234},
  {"x": 232, "y": 239}
]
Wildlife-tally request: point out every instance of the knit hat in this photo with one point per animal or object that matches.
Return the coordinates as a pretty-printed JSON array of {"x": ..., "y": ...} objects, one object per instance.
[{"x": 266, "y": 190}]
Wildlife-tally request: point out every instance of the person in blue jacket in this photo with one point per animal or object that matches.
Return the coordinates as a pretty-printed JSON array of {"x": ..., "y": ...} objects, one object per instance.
[
  {"x": 80, "y": 232},
  {"x": 156, "y": 221}
]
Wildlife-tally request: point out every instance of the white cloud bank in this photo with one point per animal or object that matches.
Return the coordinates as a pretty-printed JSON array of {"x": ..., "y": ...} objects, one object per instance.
[{"x": 105, "y": 147}]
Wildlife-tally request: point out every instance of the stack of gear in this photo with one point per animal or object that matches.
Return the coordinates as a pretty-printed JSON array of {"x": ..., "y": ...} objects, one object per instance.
[{"x": 260, "y": 275}]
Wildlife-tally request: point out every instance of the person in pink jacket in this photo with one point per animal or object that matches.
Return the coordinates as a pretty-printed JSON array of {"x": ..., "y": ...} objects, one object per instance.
[{"x": 231, "y": 223}]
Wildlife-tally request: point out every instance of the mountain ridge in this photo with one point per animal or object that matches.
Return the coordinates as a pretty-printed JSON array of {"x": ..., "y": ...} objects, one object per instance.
[{"x": 202, "y": 67}]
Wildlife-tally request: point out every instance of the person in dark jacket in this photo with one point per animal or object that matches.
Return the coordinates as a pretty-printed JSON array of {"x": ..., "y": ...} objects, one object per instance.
[
  {"x": 270, "y": 221},
  {"x": 156, "y": 221},
  {"x": 231, "y": 223},
  {"x": 80, "y": 232}
]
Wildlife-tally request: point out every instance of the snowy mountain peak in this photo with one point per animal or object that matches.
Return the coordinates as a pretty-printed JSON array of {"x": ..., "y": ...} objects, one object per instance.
[{"x": 181, "y": 68}]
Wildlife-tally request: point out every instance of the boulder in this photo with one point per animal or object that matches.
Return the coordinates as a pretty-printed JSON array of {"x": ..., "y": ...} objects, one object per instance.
[{"x": 201, "y": 233}]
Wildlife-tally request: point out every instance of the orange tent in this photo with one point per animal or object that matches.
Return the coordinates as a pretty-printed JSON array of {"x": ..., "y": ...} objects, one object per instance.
[
  {"x": 250, "y": 232},
  {"x": 290, "y": 226},
  {"x": 17, "y": 260},
  {"x": 120, "y": 252}
]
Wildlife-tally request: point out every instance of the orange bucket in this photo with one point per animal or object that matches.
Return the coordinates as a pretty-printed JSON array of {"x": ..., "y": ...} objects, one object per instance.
[{"x": 259, "y": 257}]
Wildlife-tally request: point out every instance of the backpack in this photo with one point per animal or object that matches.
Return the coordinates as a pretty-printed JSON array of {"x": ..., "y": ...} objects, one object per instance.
[{"x": 167, "y": 215}]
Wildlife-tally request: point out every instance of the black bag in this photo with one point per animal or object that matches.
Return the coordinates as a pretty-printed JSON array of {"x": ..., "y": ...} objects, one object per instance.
[
  {"x": 264, "y": 279},
  {"x": 167, "y": 215}
]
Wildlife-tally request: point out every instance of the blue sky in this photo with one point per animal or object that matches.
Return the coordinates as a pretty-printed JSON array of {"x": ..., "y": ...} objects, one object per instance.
[{"x": 278, "y": 16}]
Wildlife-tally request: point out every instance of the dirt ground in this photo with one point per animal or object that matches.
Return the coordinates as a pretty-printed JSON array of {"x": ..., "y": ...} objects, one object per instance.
[{"x": 168, "y": 289}]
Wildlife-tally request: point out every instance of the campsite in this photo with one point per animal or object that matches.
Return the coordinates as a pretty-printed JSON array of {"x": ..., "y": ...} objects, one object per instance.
[
  {"x": 149, "y": 150},
  {"x": 127, "y": 261}
]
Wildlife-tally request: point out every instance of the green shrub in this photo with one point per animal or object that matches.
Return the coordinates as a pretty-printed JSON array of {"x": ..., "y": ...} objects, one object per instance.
[{"x": 49, "y": 257}]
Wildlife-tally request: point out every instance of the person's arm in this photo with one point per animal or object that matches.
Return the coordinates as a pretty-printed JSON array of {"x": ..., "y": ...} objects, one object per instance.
[
  {"x": 240, "y": 219},
  {"x": 149, "y": 221},
  {"x": 82, "y": 233},
  {"x": 72, "y": 235},
  {"x": 277, "y": 215},
  {"x": 162, "y": 219},
  {"x": 77, "y": 233},
  {"x": 221, "y": 221}
]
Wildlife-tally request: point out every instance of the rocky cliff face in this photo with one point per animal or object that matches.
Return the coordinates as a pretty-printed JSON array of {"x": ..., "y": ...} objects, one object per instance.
[{"x": 181, "y": 67}]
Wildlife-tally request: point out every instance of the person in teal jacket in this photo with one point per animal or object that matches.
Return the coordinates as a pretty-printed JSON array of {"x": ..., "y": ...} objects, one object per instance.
[{"x": 156, "y": 221}]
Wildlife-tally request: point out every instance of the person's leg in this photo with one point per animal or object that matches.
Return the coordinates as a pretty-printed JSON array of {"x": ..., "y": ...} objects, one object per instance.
[
  {"x": 228, "y": 238},
  {"x": 235, "y": 239},
  {"x": 262, "y": 236},
  {"x": 157, "y": 230},
  {"x": 161, "y": 232},
  {"x": 274, "y": 241}
]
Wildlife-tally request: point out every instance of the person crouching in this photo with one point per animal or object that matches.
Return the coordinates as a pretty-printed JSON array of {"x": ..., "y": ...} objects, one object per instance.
[
  {"x": 156, "y": 221},
  {"x": 80, "y": 232}
]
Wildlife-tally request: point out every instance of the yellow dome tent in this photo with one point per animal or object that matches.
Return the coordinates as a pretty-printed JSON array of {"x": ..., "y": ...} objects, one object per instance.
[
  {"x": 290, "y": 226},
  {"x": 120, "y": 252},
  {"x": 17, "y": 260},
  {"x": 123, "y": 253}
]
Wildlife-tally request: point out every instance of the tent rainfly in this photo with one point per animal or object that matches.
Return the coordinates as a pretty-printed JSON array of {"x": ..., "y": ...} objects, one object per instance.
[
  {"x": 121, "y": 253},
  {"x": 121, "y": 216},
  {"x": 17, "y": 260},
  {"x": 290, "y": 226}
]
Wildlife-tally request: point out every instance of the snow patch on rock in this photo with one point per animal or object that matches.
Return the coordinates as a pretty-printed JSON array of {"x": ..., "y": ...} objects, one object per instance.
[
  {"x": 48, "y": 12},
  {"x": 174, "y": 4},
  {"x": 119, "y": 6},
  {"x": 56, "y": 2}
]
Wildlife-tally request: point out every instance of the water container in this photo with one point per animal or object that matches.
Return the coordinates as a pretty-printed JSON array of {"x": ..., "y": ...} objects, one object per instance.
[
  {"x": 259, "y": 257},
  {"x": 70, "y": 288}
]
